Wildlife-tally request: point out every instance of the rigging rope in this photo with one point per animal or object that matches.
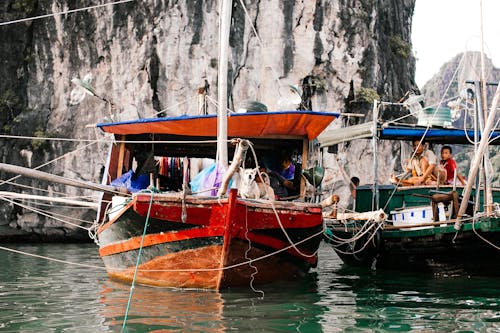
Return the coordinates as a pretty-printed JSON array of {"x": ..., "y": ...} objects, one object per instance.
[
  {"x": 275, "y": 74},
  {"x": 41, "y": 212},
  {"x": 172, "y": 270},
  {"x": 277, "y": 215},
  {"x": 138, "y": 262},
  {"x": 64, "y": 12},
  {"x": 256, "y": 271}
]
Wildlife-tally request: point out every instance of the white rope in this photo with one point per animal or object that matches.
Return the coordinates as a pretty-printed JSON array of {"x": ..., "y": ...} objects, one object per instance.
[
  {"x": 41, "y": 212},
  {"x": 379, "y": 226},
  {"x": 50, "y": 162},
  {"x": 278, "y": 218},
  {"x": 5, "y": 136},
  {"x": 51, "y": 259},
  {"x": 275, "y": 74},
  {"x": 64, "y": 12},
  {"x": 216, "y": 104},
  {"x": 256, "y": 271},
  {"x": 186, "y": 101},
  {"x": 230, "y": 266},
  {"x": 168, "y": 270},
  {"x": 105, "y": 140},
  {"x": 357, "y": 236},
  {"x": 482, "y": 238}
]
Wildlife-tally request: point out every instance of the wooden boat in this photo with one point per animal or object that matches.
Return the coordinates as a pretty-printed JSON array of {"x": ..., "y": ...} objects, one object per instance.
[
  {"x": 208, "y": 241},
  {"x": 434, "y": 229}
]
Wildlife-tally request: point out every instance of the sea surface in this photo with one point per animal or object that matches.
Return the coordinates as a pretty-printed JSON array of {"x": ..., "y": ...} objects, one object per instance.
[{"x": 37, "y": 295}]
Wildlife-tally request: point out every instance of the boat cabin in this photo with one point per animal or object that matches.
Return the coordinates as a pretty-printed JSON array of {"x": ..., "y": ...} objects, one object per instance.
[{"x": 166, "y": 147}]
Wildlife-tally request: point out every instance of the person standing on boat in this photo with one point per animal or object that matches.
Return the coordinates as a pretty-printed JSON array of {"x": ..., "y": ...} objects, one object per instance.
[
  {"x": 450, "y": 166},
  {"x": 353, "y": 185}
]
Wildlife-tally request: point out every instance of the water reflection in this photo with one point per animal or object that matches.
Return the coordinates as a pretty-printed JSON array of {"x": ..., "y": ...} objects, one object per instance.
[
  {"x": 409, "y": 302},
  {"x": 160, "y": 309},
  {"x": 41, "y": 296},
  {"x": 285, "y": 306}
]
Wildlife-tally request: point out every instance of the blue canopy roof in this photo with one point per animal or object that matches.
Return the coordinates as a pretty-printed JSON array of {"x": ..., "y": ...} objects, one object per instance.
[
  {"x": 438, "y": 135},
  {"x": 402, "y": 132}
]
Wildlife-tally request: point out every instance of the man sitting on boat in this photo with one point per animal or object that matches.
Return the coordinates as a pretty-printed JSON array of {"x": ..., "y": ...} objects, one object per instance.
[
  {"x": 285, "y": 178},
  {"x": 421, "y": 168}
]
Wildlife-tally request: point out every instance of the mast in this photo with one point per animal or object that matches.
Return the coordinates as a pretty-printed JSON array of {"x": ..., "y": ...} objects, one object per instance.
[
  {"x": 376, "y": 202},
  {"x": 224, "y": 27},
  {"x": 488, "y": 195},
  {"x": 476, "y": 161}
]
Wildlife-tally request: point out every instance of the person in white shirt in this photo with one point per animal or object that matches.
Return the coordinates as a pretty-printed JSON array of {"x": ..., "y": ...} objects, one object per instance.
[{"x": 422, "y": 167}]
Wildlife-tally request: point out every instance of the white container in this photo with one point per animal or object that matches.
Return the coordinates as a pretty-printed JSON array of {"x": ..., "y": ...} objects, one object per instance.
[
  {"x": 416, "y": 215},
  {"x": 117, "y": 204}
]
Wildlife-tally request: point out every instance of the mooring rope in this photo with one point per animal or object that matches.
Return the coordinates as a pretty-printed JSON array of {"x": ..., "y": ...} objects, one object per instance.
[
  {"x": 277, "y": 215},
  {"x": 138, "y": 261},
  {"x": 167, "y": 270},
  {"x": 481, "y": 237},
  {"x": 256, "y": 271},
  {"x": 64, "y": 12},
  {"x": 51, "y": 259},
  {"x": 41, "y": 212}
]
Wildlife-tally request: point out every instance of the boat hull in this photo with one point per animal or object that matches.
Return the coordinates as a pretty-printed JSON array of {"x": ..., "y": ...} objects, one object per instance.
[
  {"x": 219, "y": 244},
  {"x": 439, "y": 250}
]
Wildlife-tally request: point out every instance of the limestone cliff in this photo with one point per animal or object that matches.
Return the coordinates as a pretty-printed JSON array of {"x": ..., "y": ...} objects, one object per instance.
[
  {"x": 450, "y": 83},
  {"x": 150, "y": 57}
]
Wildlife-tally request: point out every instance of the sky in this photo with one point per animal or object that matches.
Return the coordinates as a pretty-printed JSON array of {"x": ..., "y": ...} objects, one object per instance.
[{"x": 444, "y": 28}]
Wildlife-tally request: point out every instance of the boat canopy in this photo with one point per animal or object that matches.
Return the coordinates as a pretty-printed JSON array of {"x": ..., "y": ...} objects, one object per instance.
[
  {"x": 402, "y": 132},
  {"x": 255, "y": 124}
]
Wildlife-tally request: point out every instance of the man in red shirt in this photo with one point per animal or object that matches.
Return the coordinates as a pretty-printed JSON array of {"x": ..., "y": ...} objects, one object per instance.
[{"x": 450, "y": 166}]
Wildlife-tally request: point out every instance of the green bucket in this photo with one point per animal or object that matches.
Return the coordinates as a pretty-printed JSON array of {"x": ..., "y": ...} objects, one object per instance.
[{"x": 435, "y": 117}]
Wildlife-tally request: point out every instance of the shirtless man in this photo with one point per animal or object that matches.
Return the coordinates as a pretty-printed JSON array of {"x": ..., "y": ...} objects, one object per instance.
[{"x": 423, "y": 167}]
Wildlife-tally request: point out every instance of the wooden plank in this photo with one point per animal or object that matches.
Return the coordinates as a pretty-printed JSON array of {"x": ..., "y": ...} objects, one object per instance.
[
  {"x": 305, "y": 156},
  {"x": 121, "y": 155}
]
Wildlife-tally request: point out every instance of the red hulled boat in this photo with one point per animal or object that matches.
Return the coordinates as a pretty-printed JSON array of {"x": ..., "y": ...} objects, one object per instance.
[{"x": 185, "y": 239}]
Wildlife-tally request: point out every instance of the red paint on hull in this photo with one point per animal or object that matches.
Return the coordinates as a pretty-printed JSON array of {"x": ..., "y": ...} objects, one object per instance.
[
  {"x": 195, "y": 268},
  {"x": 154, "y": 239},
  {"x": 240, "y": 223}
]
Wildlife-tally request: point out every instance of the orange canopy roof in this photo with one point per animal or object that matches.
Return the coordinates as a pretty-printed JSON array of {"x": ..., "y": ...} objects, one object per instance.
[{"x": 255, "y": 124}]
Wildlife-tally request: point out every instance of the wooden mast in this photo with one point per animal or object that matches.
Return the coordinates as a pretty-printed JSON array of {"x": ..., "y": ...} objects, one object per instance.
[
  {"x": 488, "y": 195},
  {"x": 483, "y": 145},
  {"x": 224, "y": 28}
]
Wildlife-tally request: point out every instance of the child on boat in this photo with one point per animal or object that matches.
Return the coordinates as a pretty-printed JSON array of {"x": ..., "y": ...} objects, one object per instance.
[{"x": 450, "y": 166}]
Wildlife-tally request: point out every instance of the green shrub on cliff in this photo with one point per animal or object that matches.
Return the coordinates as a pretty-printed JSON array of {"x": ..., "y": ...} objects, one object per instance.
[{"x": 400, "y": 47}]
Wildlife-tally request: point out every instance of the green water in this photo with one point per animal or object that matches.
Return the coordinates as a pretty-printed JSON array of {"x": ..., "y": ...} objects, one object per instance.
[{"x": 43, "y": 296}]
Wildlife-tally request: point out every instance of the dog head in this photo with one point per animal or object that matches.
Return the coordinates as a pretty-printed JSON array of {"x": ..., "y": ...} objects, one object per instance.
[{"x": 248, "y": 175}]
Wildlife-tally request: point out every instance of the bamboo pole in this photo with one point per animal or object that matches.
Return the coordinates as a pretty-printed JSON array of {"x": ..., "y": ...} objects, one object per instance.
[
  {"x": 476, "y": 161},
  {"x": 57, "y": 179},
  {"x": 488, "y": 194},
  {"x": 239, "y": 156}
]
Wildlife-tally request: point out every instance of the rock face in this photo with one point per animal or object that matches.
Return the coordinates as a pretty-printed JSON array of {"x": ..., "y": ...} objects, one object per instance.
[
  {"x": 449, "y": 84},
  {"x": 150, "y": 57},
  {"x": 462, "y": 68}
]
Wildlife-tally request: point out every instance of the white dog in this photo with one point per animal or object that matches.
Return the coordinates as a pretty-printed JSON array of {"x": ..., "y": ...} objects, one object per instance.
[
  {"x": 248, "y": 186},
  {"x": 253, "y": 189}
]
